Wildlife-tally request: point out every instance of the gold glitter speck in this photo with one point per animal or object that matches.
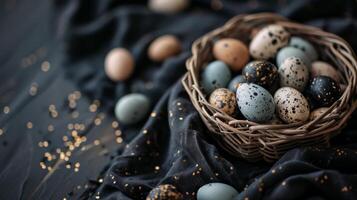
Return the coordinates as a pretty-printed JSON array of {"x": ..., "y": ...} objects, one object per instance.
[
  {"x": 153, "y": 114},
  {"x": 29, "y": 125},
  {"x": 6, "y": 109},
  {"x": 45, "y": 66}
]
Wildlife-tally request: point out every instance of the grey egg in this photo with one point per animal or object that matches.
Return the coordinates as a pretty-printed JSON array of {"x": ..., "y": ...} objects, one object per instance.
[
  {"x": 293, "y": 73},
  {"x": 255, "y": 103},
  {"x": 132, "y": 108},
  {"x": 305, "y": 46},
  {"x": 234, "y": 83},
  {"x": 291, "y": 105},
  {"x": 289, "y": 51},
  {"x": 216, "y": 75},
  {"x": 215, "y": 191}
]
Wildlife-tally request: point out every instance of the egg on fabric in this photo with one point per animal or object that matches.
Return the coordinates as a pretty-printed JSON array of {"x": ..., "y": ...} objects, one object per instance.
[
  {"x": 262, "y": 73},
  {"x": 324, "y": 91},
  {"x": 165, "y": 192},
  {"x": 293, "y": 73},
  {"x": 235, "y": 82},
  {"x": 119, "y": 64},
  {"x": 289, "y": 51},
  {"x": 255, "y": 103},
  {"x": 215, "y": 191},
  {"x": 291, "y": 105},
  {"x": 268, "y": 41},
  {"x": 317, "y": 112},
  {"x": 320, "y": 68},
  {"x": 215, "y": 75},
  {"x": 231, "y": 51},
  {"x": 305, "y": 46},
  {"x": 168, "y": 6},
  {"x": 132, "y": 108},
  {"x": 164, "y": 47},
  {"x": 224, "y": 100}
]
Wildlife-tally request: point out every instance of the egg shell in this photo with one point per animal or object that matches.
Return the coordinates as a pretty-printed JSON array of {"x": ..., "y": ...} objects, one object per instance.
[
  {"x": 132, "y": 108},
  {"x": 224, "y": 100},
  {"x": 294, "y": 73},
  {"x": 215, "y": 191},
  {"x": 255, "y": 103},
  {"x": 234, "y": 83},
  {"x": 317, "y": 112},
  {"x": 320, "y": 68},
  {"x": 231, "y": 51},
  {"x": 215, "y": 75},
  {"x": 291, "y": 105},
  {"x": 262, "y": 73},
  {"x": 305, "y": 46},
  {"x": 289, "y": 51},
  {"x": 324, "y": 91},
  {"x": 268, "y": 41},
  {"x": 164, "y": 47},
  {"x": 168, "y": 6},
  {"x": 119, "y": 64},
  {"x": 165, "y": 192}
]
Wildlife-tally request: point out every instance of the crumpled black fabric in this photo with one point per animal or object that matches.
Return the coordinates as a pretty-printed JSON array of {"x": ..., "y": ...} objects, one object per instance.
[{"x": 172, "y": 145}]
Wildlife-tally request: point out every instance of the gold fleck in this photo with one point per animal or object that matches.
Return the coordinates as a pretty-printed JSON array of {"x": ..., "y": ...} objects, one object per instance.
[
  {"x": 68, "y": 166},
  {"x": 145, "y": 131},
  {"x": 97, "y": 121},
  {"x": 77, "y": 164},
  {"x": 181, "y": 118},
  {"x": 178, "y": 103},
  {"x": 6, "y": 109},
  {"x": 157, "y": 167},
  {"x": 100, "y": 180},
  {"x": 153, "y": 114},
  {"x": 118, "y": 133},
  {"x": 119, "y": 140},
  {"x": 93, "y": 108},
  {"x": 45, "y": 66},
  {"x": 115, "y": 124},
  {"x": 96, "y": 142},
  {"x": 29, "y": 125},
  {"x": 33, "y": 89}
]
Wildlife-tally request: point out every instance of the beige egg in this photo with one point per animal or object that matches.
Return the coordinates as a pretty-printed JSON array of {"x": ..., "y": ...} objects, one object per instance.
[
  {"x": 164, "y": 47},
  {"x": 224, "y": 100},
  {"x": 291, "y": 105},
  {"x": 293, "y": 73},
  {"x": 231, "y": 51},
  {"x": 320, "y": 68},
  {"x": 268, "y": 41},
  {"x": 168, "y": 6},
  {"x": 317, "y": 112},
  {"x": 119, "y": 64}
]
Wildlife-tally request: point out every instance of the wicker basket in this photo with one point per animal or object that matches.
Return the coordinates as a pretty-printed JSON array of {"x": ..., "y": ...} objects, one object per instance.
[{"x": 254, "y": 141}]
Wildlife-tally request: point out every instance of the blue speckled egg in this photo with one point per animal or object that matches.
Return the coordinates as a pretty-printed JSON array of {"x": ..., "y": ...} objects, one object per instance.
[
  {"x": 234, "y": 83},
  {"x": 294, "y": 73},
  {"x": 132, "y": 108},
  {"x": 255, "y": 103},
  {"x": 215, "y": 191},
  {"x": 216, "y": 75},
  {"x": 290, "y": 51},
  {"x": 305, "y": 46}
]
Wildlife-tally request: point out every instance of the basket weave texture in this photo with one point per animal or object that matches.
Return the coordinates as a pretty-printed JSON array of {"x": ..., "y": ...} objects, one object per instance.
[{"x": 253, "y": 141}]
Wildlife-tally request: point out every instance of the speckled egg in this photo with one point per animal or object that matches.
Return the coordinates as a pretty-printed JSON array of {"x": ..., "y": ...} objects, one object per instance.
[
  {"x": 164, "y": 47},
  {"x": 168, "y": 6},
  {"x": 235, "y": 82},
  {"x": 231, "y": 51},
  {"x": 317, "y": 112},
  {"x": 119, "y": 64},
  {"x": 291, "y": 105},
  {"x": 215, "y": 75},
  {"x": 320, "y": 68},
  {"x": 324, "y": 91},
  {"x": 289, "y": 51},
  {"x": 215, "y": 191},
  {"x": 262, "y": 73},
  {"x": 293, "y": 73},
  {"x": 255, "y": 103},
  {"x": 268, "y": 41},
  {"x": 224, "y": 100},
  {"x": 165, "y": 192},
  {"x": 305, "y": 46},
  {"x": 132, "y": 108}
]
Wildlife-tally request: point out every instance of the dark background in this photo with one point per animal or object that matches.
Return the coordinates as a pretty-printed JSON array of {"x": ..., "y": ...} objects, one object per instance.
[{"x": 59, "y": 138}]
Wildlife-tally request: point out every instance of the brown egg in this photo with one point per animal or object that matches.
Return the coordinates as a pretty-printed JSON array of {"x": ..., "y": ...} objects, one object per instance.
[
  {"x": 231, "y": 51},
  {"x": 119, "y": 64},
  {"x": 164, "y": 47},
  {"x": 317, "y": 112},
  {"x": 168, "y": 6},
  {"x": 224, "y": 100},
  {"x": 320, "y": 68}
]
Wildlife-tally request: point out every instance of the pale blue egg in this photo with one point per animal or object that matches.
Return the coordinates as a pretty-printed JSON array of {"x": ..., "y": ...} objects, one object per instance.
[
  {"x": 132, "y": 108},
  {"x": 216, "y": 191},
  {"x": 255, "y": 103},
  {"x": 233, "y": 84},
  {"x": 305, "y": 46},
  {"x": 290, "y": 51},
  {"x": 216, "y": 75}
]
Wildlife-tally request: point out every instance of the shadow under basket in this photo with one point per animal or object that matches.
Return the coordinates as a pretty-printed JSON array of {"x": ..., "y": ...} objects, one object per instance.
[{"x": 253, "y": 141}]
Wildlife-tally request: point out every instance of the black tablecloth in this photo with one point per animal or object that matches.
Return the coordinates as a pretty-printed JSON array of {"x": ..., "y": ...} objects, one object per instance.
[{"x": 58, "y": 135}]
